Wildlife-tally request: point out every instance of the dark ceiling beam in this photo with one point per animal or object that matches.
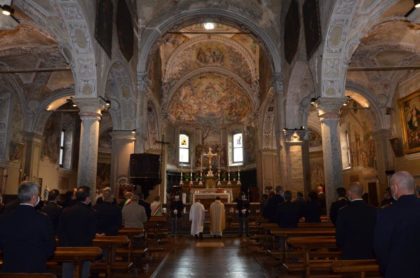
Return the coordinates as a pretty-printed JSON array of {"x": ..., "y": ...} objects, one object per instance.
[
  {"x": 4, "y": 71},
  {"x": 383, "y": 68}
]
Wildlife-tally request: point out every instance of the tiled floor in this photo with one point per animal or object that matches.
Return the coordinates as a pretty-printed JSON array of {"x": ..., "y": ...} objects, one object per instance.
[{"x": 210, "y": 258}]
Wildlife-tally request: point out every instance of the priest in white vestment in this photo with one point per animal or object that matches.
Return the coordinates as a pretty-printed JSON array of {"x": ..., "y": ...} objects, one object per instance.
[
  {"x": 197, "y": 213},
  {"x": 217, "y": 218}
]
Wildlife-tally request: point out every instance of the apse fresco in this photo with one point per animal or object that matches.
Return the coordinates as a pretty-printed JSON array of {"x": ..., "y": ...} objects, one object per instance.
[{"x": 210, "y": 98}]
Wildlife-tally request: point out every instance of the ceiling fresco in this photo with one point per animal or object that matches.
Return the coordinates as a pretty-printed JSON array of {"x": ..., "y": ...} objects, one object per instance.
[
  {"x": 208, "y": 54},
  {"x": 210, "y": 98}
]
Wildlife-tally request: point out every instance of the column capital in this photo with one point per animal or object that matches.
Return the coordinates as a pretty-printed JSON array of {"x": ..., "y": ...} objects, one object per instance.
[
  {"x": 143, "y": 82},
  {"x": 128, "y": 135},
  {"x": 90, "y": 107},
  {"x": 329, "y": 108},
  {"x": 30, "y": 135},
  {"x": 278, "y": 83},
  {"x": 295, "y": 136}
]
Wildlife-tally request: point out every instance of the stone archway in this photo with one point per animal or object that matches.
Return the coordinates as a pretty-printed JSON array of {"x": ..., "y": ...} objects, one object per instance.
[{"x": 164, "y": 24}]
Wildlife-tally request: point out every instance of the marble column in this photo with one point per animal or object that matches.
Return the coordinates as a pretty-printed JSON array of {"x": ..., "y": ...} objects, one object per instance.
[
  {"x": 90, "y": 115},
  {"x": 384, "y": 157},
  {"x": 297, "y": 167},
  {"x": 33, "y": 144},
  {"x": 328, "y": 111},
  {"x": 122, "y": 146}
]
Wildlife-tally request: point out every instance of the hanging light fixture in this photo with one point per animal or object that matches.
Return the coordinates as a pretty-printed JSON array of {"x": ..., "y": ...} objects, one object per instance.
[
  {"x": 209, "y": 26},
  {"x": 7, "y": 10},
  {"x": 417, "y": 4}
]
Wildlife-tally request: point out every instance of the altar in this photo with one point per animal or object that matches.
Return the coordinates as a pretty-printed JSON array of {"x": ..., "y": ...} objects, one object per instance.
[{"x": 208, "y": 195}]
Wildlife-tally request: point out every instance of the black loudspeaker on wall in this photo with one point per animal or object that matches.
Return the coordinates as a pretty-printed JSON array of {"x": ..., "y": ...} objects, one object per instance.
[{"x": 145, "y": 171}]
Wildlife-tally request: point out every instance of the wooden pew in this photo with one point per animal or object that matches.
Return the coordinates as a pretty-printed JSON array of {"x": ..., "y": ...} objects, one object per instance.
[
  {"x": 76, "y": 255},
  {"x": 27, "y": 275},
  {"x": 136, "y": 236},
  {"x": 316, "y": 225},
  {"x": 284, "y": 233},
  {"x": 308, "y": 244},
  {"x": 110, "y": 244},
  {"x": 355, "y": 266}
]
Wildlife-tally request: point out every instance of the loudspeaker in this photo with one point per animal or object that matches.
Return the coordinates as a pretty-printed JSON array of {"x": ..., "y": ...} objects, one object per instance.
[
  {"x": 144, "y": 166},
  {"x": 144, "y": 171},
  {"x": 397, "y": 146}
]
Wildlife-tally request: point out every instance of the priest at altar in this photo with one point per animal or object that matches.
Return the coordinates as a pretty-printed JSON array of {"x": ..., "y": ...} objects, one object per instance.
[{"x": 217, "y": 218}]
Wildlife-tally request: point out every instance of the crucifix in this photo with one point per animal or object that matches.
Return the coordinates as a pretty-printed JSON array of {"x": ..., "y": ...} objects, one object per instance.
[{"x": 210, "y": 156}]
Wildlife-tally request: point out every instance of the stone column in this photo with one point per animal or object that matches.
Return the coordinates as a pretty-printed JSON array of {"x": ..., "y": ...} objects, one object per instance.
[
  {"x": 328, "y": 111},
  {"x": 384, "y": 157},
  {"x": 90, "y": 115},
  {"x": 122, "y": 146},
  {"x": 33, "y": 144}
]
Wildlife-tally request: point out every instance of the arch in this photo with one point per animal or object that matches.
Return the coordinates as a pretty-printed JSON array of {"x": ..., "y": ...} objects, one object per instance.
[
  {"x": 81, "y": 47},
  {"x": 237, "y": 46},
  {"x": 43, "y": 114},
  {"x": 300, "y": 88},
  {"x": 343, "y": 37},
  {"x": 169, "y": 95},
  {"x": 164, "y": 23},
  {"x": 267, "y": 136},
  {"x": 376, "y": 110},
  {"x": 119, "y": 89}
]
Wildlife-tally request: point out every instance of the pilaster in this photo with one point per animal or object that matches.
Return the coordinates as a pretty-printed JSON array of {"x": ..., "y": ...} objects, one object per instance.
[
  {"x": 33, "y": 144},
  {"x": 298, "y": 177},
  {"x": 384, "y": 157},
  {"x": 122, "y": 146}
]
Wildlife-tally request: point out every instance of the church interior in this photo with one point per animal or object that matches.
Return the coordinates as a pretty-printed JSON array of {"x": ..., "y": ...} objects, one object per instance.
[{"x": 220, "y": 97}]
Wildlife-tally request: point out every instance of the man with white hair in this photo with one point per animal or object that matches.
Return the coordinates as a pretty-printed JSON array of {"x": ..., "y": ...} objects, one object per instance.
[
  {"x": 26, "y": 236},
  {"x": 355, "y": 226},
  {"x": 397, "y": 243}
]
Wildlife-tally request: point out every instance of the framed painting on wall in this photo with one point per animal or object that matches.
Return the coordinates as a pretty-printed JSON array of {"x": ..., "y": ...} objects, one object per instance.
[{"x": 410, "y": 121}]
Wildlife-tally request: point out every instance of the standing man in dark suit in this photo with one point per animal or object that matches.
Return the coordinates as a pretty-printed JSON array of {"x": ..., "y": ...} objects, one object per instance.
[
  {"x": 337, "y": 205},
  {"x": 397, "y": 243},
  {"x": 270, "y": 208},
  {"x": 52, "y": 208},
  {"x": 26, "y": 236},
  {"x": 77, "y": 228},
  {"x": 288, "y": 212},
  {"x": 355, "y": 226},
  {"x": 312, "y": 209},
  {"x": 108, "y": 215}
]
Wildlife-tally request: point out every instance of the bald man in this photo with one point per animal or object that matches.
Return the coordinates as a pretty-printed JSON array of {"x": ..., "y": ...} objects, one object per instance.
[
  {"x": 397, "y": 242},
  {"x": 355, "y": 226}
]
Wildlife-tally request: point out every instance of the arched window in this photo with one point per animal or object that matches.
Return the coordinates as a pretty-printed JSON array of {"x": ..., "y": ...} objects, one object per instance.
[
  {"x": 184, "y": 148},
  {"x": 61, "y": 154},
  {"x": 237, "y": 148}
]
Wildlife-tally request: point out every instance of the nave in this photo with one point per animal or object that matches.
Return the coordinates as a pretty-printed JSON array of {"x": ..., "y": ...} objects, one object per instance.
[{"x": 210, "y": 258}]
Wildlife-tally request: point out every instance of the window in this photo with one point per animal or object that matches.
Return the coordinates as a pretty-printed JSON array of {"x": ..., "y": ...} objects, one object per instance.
[
  {"x": 184, "y": 148},
  {"x": 61, "y": 154},
  {"x": 345, "y": 150},
  {"x": 238, "y": 149}
]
